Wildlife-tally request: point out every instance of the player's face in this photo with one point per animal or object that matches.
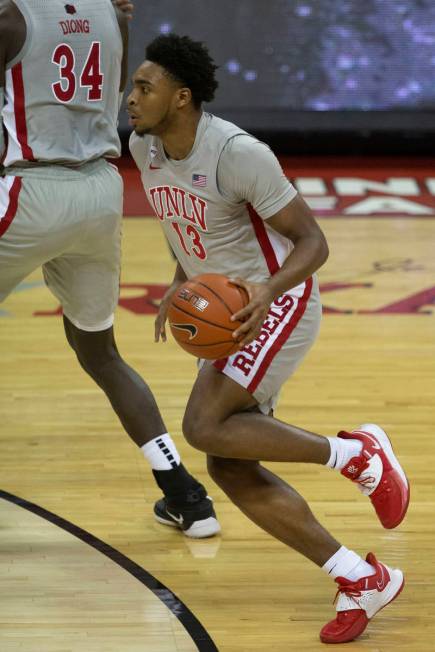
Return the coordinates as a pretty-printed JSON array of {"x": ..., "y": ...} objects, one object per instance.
[{"x": 152, "y": 104}]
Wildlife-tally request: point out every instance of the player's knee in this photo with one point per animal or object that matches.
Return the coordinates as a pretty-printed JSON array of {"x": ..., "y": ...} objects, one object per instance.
[
  {"x": 96, "y": 363},
  {"x": 199, "y": 431},
  {"x": 227, "y": 473}
]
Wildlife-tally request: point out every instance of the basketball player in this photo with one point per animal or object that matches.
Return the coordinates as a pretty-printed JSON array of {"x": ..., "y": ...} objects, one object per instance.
[
  {"x": 62, "y": 72},
  {"x": 226, "y": 207}
]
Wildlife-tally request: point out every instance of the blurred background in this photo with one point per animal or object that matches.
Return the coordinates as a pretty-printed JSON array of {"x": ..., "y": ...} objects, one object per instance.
[{"x": 313, "y": 76}]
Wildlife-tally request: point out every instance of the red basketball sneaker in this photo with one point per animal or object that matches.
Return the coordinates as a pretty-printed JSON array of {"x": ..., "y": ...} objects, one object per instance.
[
  {"x": 359, "y": 601},
  {"x": 378, "y": 474}
]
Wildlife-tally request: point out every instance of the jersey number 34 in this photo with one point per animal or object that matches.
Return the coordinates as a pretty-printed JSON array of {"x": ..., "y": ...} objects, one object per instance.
[{"x": 90, "y": 77}]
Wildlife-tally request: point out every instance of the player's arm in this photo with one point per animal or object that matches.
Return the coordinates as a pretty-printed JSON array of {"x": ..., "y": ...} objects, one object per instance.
[
  {"x": 296, "y": 222},
  {"x": 123, "y": 26},
  {"x": 159, "y": 325},
  {"x": 256, "y": 177},
  {"x": 2, "y": 85},
  {"x": 8, "y": 49},
  {"x": 125, "y": 6}
]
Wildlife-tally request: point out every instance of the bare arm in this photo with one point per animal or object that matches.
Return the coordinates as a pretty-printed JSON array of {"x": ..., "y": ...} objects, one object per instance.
[
  {"x": 123, "y": 26},
  {"x": 296, "y": 222},
  {"x": 2, "y": 79},
  {"x": 159, "y": 326},
  {"x": 126, "y": 6},
  {"x": 12, "y": 37}
]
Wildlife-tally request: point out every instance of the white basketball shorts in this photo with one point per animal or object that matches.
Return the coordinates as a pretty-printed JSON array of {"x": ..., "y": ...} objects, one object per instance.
[
  {"x": 69, "y": 222},
  {"x": 288, "y": 332}
]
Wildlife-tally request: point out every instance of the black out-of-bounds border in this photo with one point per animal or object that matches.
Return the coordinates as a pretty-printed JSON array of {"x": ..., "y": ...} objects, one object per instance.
[{"x": 191, "y": 624}]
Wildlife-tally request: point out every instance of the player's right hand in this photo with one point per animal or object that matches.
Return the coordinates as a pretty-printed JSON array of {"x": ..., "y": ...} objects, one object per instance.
[
  {"x": 126, "y": 6},
  {"x": 160, "y": 322}
]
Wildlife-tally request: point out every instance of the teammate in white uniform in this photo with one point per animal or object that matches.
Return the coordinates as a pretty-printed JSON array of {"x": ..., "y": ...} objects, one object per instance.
[
  {"x": 226, "y": 207},
  {"x": 62, "y": 67}
]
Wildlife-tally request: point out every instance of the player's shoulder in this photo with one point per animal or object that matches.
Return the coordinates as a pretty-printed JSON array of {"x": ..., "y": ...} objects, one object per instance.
[
  {"x": 219, "y": 126},
  {"x": 12, "y": 28},
  {"x": 237, "y": 140},
  {"x": 243, "y": 147}
]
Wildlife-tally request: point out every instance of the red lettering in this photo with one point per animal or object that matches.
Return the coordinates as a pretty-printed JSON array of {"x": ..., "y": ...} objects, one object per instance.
[
  {"x": 253, "y": 349},
  {"x": 75, "y": 26},
  {"x": 172, "y": 206},
  {"x": 240, "y": 362},
  {"x": 284, "y": 301},
  {"x": 91, "y": 76},
  {"x": 65, "y": 89},
  {"x": 263, "y": 337},
  {"x": 158, "y": 211},
  {"x": 199, "y": 211},
  {"x": 197, "y": 246},
  {"x": 270, "y": 325},
  {"x": 177, "y": 229},
  {"x": 189, "y": 218}
]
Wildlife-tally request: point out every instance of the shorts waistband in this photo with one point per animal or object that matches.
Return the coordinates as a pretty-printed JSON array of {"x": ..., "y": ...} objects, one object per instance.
[{"x": 57, "y": 171}]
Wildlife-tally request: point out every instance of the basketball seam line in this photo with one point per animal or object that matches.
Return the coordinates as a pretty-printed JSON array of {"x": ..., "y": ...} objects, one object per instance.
[
  {"x": 216, "y": 295},
  {"x": 205, "y": 321},
  {"x": 209, "y": 344}
]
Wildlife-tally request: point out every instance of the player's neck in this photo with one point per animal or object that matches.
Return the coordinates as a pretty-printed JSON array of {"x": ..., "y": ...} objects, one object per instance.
[{"x": 178, "y": 141}]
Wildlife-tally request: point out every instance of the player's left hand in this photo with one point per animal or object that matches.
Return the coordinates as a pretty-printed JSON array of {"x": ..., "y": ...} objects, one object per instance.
[
  {"x": 254, "y": 313},
  {"x": 126, "y": 6}
]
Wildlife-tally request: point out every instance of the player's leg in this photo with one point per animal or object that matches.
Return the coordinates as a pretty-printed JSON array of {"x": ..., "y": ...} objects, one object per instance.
[
  {"x": 226, "y": 425},
  {"x": 21, "y": 251},
  {"x": 226, "y": 416},
  {"x": 364, "y": 455},
  {"x": 136, "y": 408},
  {"x": 274, "y": 506},
  {"x": 278, "y": 509},
  {"x": 85, "y": 279}
]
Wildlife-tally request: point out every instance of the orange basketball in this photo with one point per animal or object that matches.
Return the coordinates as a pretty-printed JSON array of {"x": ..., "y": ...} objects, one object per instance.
[{"x": 200, "y": 312}]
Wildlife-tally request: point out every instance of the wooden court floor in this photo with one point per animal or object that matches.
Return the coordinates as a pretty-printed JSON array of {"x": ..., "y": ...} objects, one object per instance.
[{"x": 62, "y": 448}]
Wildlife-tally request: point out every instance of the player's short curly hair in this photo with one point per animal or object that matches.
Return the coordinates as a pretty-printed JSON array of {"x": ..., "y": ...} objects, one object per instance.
[{"x": 188, "y": 62}]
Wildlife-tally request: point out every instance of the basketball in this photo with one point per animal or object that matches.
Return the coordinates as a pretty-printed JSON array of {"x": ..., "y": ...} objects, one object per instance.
[{"x": 200, "y": 312}]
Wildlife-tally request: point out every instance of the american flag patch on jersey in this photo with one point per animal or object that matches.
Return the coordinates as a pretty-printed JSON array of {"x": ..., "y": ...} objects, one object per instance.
[{"x": 199, "y": 180}]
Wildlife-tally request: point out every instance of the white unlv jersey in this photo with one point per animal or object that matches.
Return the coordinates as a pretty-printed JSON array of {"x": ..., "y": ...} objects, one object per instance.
[
  {"x": 62, "y": 89},
  {"x": 207, "y": 230}
]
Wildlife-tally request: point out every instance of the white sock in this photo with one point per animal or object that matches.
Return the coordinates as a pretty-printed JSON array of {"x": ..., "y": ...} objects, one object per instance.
[
  {"x": 346, "y": 563},
  {"x": 342, "y": 450},
  {"x": 161, "y": 453}
]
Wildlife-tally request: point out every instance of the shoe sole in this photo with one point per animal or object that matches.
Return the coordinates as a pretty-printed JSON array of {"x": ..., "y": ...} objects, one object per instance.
[
  {"x": 393, "y": 597},
  {"x": 382, "y": 437},
  {"x": 203, "y": 529}
]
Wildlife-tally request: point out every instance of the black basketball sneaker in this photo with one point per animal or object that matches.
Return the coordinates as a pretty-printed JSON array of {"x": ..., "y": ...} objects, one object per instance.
[{"x": 194, "y": 515}]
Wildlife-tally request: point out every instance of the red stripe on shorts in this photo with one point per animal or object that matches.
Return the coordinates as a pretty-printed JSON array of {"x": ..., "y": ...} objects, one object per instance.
[
  {"x": 20, "y": 111},
  {"x": 11, "y": 210},
  {"x": 220, "y": 364},
  {"x": 263, "y": 239},
  {"x": 282, "y": 337}
]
